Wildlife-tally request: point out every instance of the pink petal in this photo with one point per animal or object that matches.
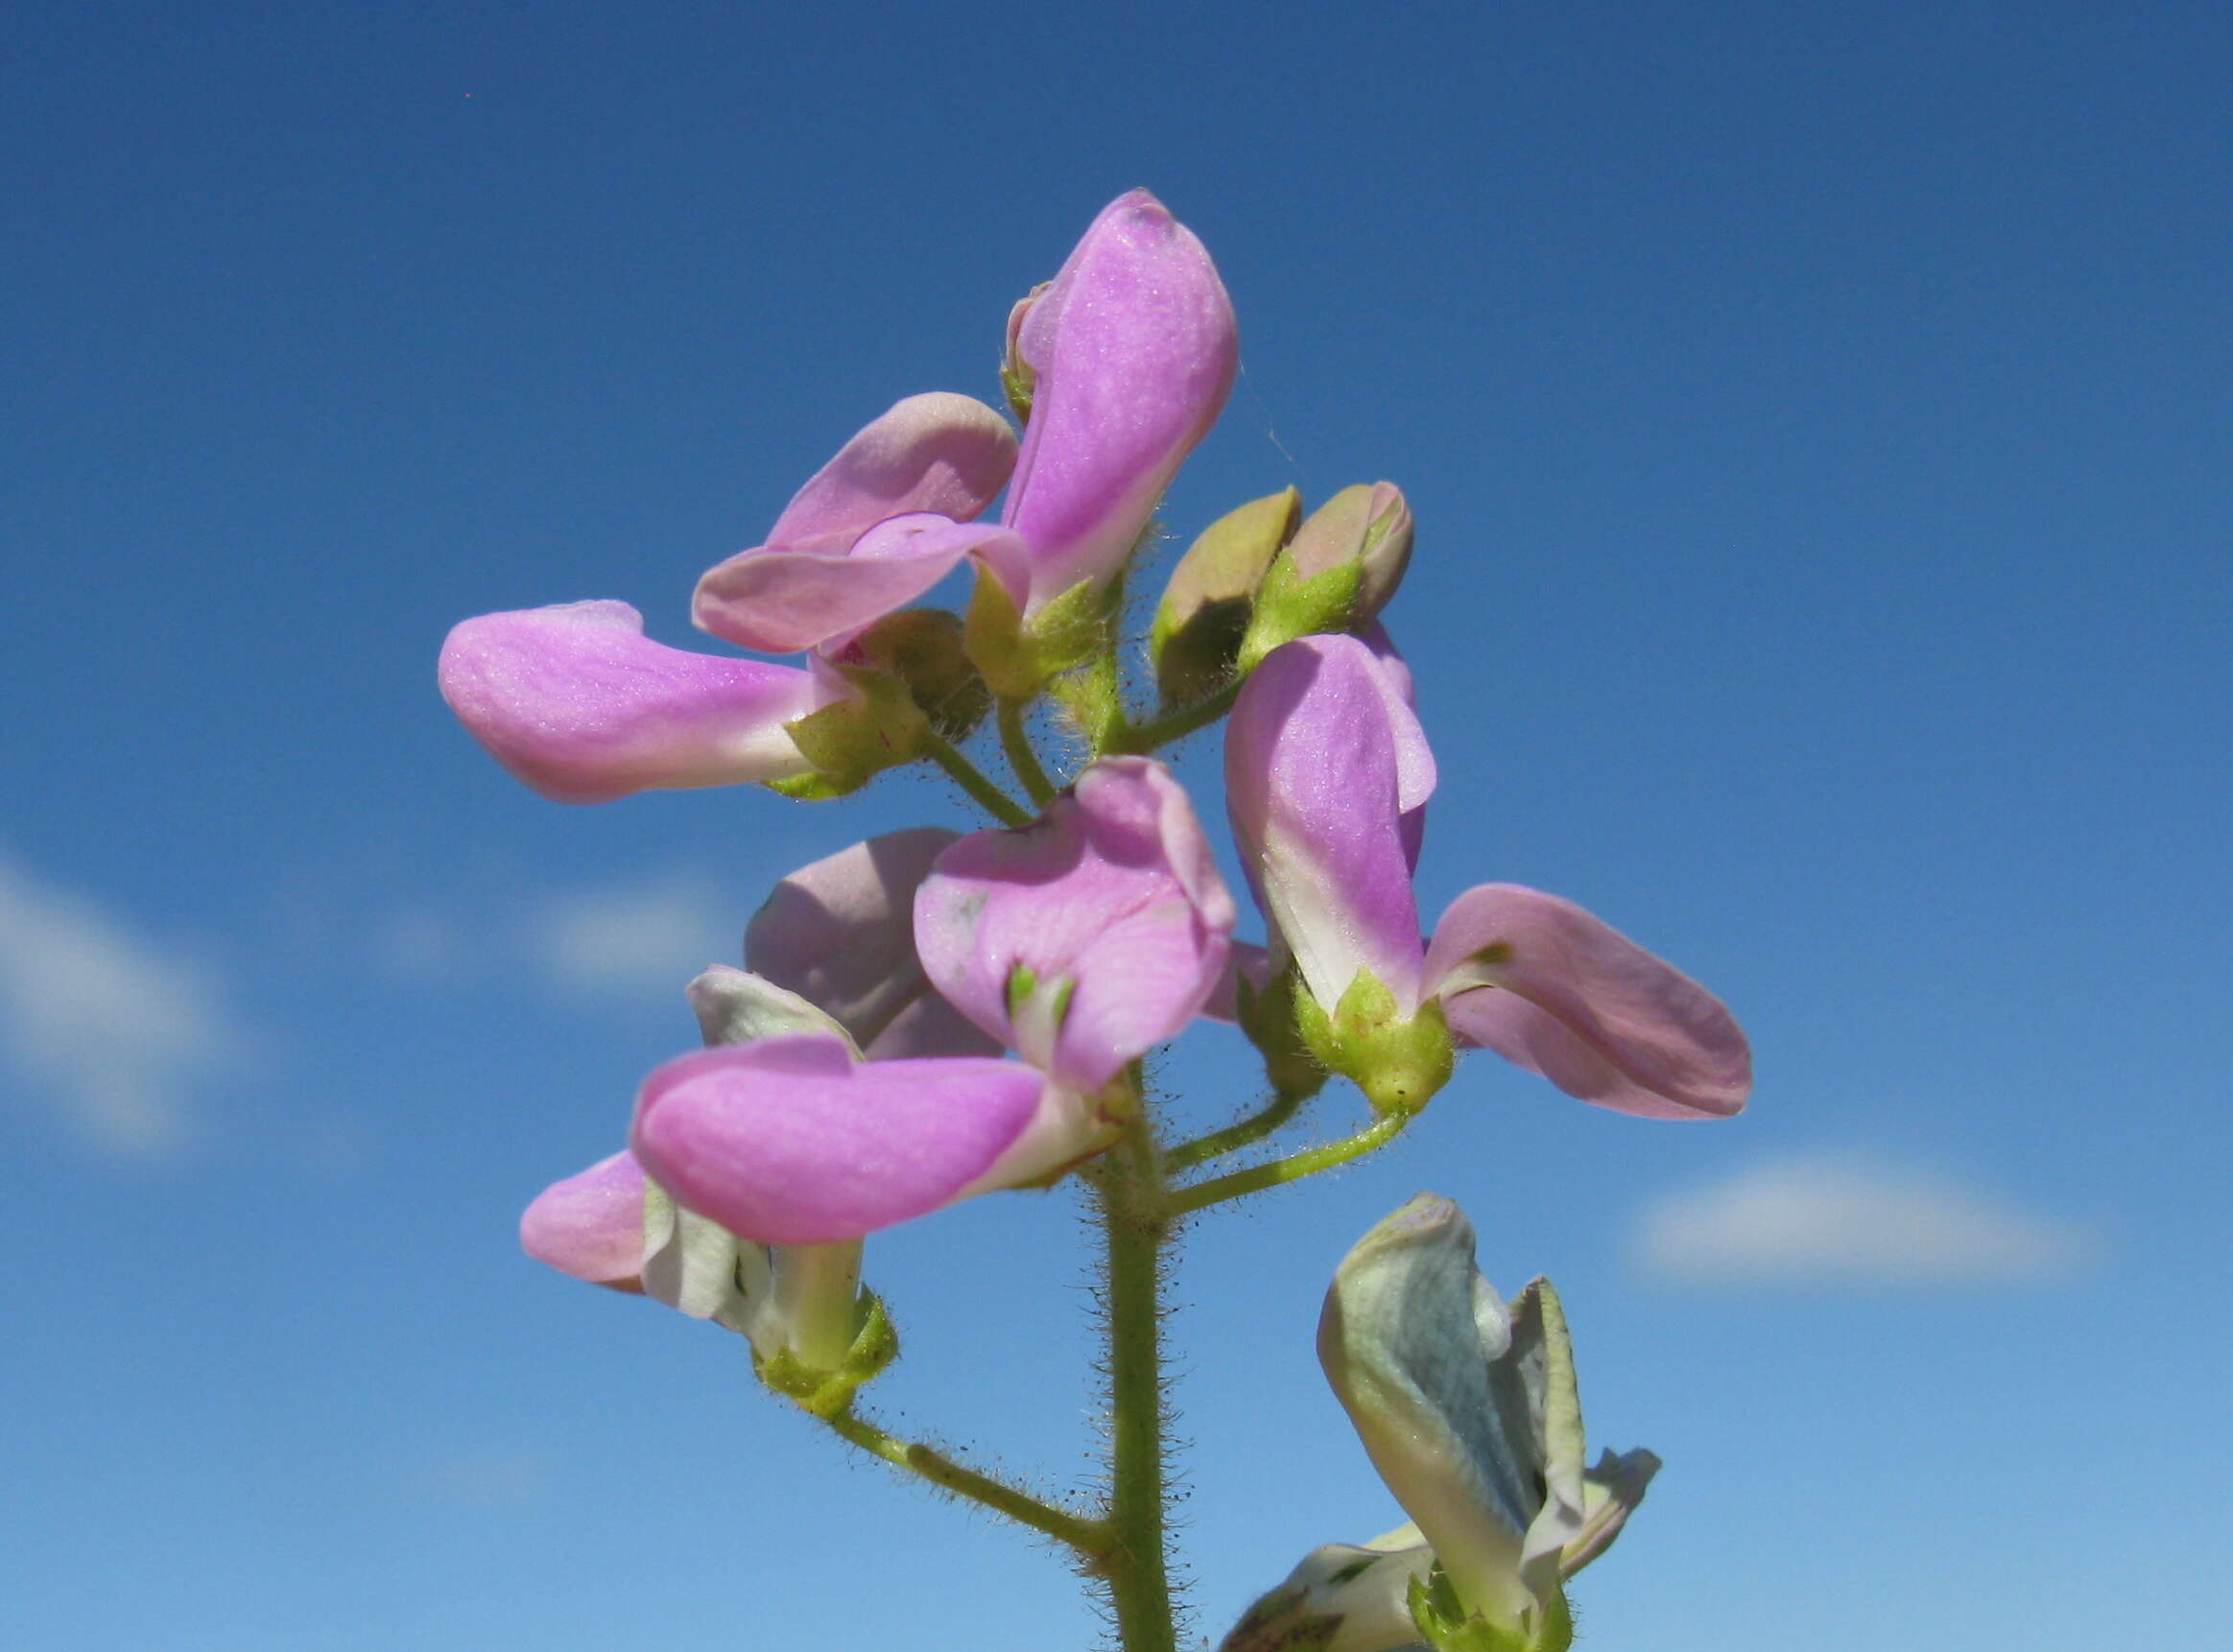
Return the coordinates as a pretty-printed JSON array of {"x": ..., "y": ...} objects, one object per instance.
[
  {"x": 1323, "y": 762},
  {"x": 840, "y": 934},
  {"x": 578, "y": 704},
  {"x": 1113, "y": 892},
  {"x": 940, "y": 452},
  {"x": 789, "y": 1140},
  {"x": 784, "y": 600},
  {"x": 1554, "y": 990},
  {"x": 1134, "y": 348},
  {"x": 590, "y": 1225}
]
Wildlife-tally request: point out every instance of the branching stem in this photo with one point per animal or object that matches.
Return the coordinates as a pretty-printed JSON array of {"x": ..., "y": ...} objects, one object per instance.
[
  {"x": 1241, "y": 1133},
  {"x": 1291, "y": 1169},
  {"x": 971, "y": 779},
  {"x": 1015, "y": 740},
  {"x": 1159, "y": 732},
  {"x": 1089, "y": 1537}
]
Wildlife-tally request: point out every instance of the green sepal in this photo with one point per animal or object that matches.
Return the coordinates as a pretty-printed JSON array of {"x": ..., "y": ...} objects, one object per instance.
[
  {"x": 1270, "y": 1019},
  {"x": 1445, "y": 1625},
  {"x": 1210, "y": 596},
  {"x": 1016, "y": 382},
  {"x": 830, "y": 1393},
  {"x": 924, "y": 649},
  {"x": 1019, "y": 657},
  {"x": 1290, "y": 604},
  {"x": 1398, "y": 1064},
  {"x": 854, "y": 740}
]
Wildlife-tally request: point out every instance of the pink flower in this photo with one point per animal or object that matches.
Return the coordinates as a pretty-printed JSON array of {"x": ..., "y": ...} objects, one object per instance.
[
  {"x": 790, "y": 1141},
  {"x": 1326, "y": 768},
  {"x": 578, "y": 704},
  {"x": 1089, "y": 938},
  {"x": 1131, "y": 350},
  {"x": 874, "y": 529}
]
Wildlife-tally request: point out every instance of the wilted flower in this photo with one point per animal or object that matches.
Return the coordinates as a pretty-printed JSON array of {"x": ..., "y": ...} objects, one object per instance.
[{"x": 1470, "y": 1413}]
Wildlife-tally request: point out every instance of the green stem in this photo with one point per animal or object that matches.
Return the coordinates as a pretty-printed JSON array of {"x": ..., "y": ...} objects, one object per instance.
[
  {"x": 1291, "y": 1169},
  {"x": 1015, "y": 740},
  {"x": 1241, "y": 1133},
  {"x": 1088, "y": 1537},
  {"x": 1160, "y": 731},
  {"x": 971, "y": 779},
  {"x": 1136, "y": 1222}
]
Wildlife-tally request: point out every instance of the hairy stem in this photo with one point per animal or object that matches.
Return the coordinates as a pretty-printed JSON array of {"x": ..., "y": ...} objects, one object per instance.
[
  {"x": 1136, "y": 1223},
  {"x": 1088, "y": 1537},
  {"x": 1291, "y": 1169},
  {"x": 1015, "y": 740},
  {"x": 1241, "y": 1133},
  {"x": 1160, "y": 731},
  {"x": 971, "y": 779}
]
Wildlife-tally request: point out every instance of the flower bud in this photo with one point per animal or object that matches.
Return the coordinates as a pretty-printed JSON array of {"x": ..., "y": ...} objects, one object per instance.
[
  {"x": 1018, "y": 379},
  {"x": 1211, "y": 594},
  {"x": 1336, "y": 574}
]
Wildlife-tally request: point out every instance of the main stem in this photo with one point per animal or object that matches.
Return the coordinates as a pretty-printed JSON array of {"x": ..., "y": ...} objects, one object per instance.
[{"x": 1136, "y": 1223}]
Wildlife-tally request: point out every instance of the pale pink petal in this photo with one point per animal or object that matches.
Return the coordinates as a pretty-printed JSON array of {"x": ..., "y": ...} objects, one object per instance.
[
  {"x": 1562, "y": 993},
  {"x": 1323, "y": 762},
  {"x": 784, "y": 600},
  {"x": 942, "y": 451},
  {"x": 578, "y": 704},
  {"x": 790, "y": 1141},
  {"x": 1132, "y": 348},
  {"x": 841, "y": 933},
  {"x": 1111, "y": 908},
  {"x": 591, "y": 1225}
]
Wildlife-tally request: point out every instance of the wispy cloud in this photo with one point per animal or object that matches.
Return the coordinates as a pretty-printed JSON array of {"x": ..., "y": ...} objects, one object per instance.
[
  {"x": 646, "y": 935},
  {"x": 1840, "y": 1221},
  {"x": 109, "y": 1027}
]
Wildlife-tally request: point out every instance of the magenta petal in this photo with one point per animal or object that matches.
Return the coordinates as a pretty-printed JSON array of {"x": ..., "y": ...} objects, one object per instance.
[
  {"x": 841, "y": 933},
  {"x": 1554, "y": 990},
  {"x": 1133, "y": 349},
  {"x": 578, "y": 704},
  {"x": 590, "y": 1225},
  {"x": 1323, "y": 762},
  {"x": 790, "y": 1141},
  {"x": 1110, "y": 905},
  {"x": 940, "y": 452},
  {"x": 784, "y": 600}
]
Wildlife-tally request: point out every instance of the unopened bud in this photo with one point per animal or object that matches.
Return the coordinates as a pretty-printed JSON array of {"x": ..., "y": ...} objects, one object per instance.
[
  {"x": 1337, "y": 573},
  {"x": 1211, "y": 594}
]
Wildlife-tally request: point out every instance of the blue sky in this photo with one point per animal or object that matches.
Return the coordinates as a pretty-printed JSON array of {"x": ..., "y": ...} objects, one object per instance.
[{"x": 1818, "y": 422}]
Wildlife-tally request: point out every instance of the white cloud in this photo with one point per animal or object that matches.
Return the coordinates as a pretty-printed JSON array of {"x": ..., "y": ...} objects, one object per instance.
[
  {"x": 1834, "y": 1220},
  {"x": 650, "y": 935},
  {"x": 105, "y": 1024}
]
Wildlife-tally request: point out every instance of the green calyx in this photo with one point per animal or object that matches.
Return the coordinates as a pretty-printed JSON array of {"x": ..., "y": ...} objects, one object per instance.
[
  {"x": 1018, "y": 657},
  {"x": 830, "y": 1393},
  {"x": 1399, "y": 1063},
  {"x": 1268, "y": 1017},
  {"x": 1445, "y": 1624},
  {"x": 924, "y": 649},
  {"x": 856, "y": 739},
  {"x": 1291, "y": 603}
]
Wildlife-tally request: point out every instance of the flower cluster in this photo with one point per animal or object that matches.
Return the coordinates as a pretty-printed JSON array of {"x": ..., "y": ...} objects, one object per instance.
[{"x": 928, "y": 1015}]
